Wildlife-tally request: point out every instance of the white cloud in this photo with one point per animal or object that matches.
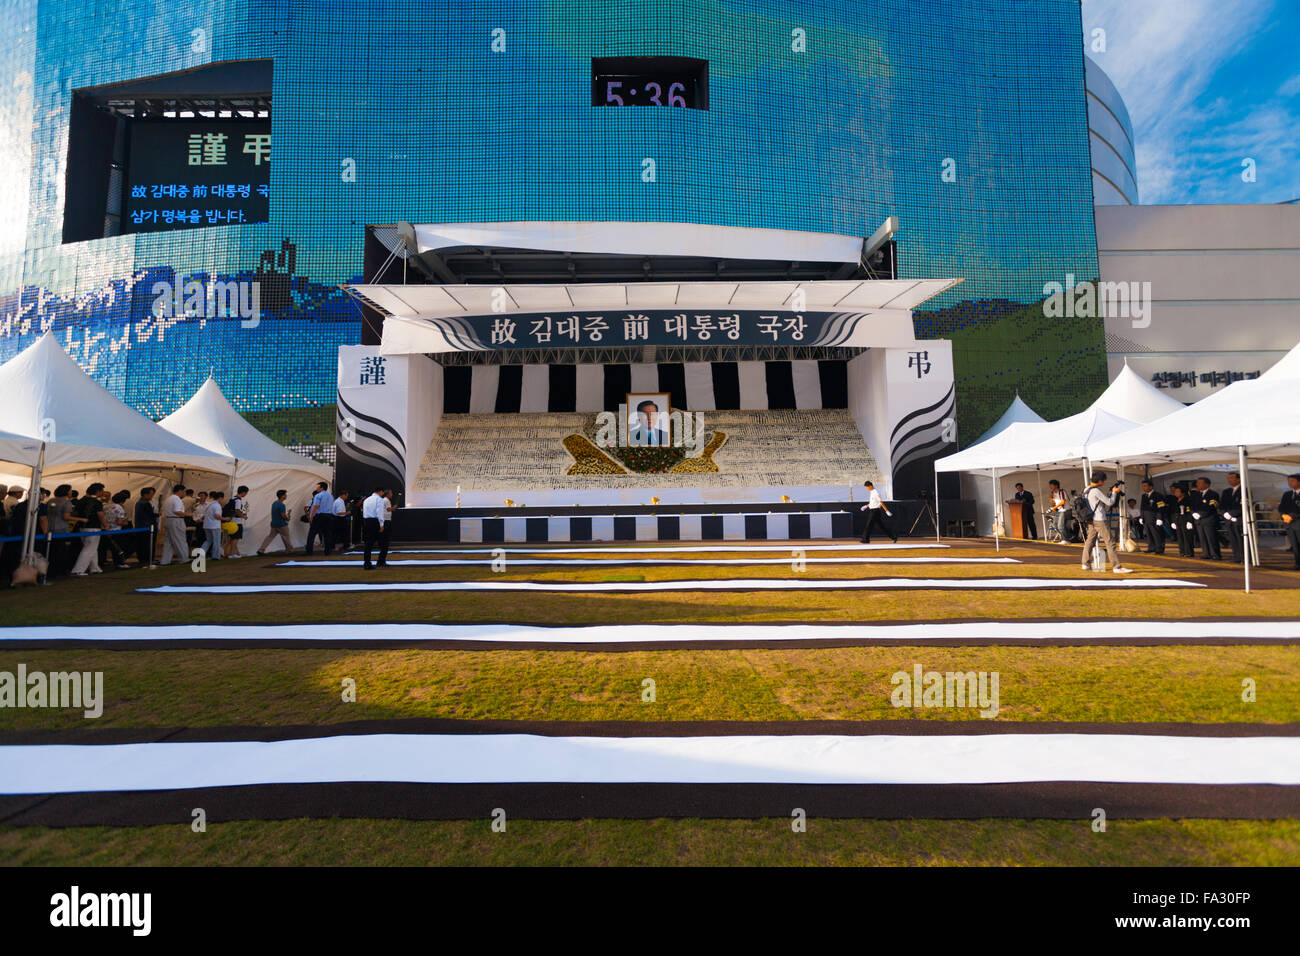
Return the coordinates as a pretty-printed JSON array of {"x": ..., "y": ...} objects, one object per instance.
[{"x": 1163, "y": 56}]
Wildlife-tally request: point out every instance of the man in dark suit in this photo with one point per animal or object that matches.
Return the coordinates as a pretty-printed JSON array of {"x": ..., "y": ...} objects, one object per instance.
[
  {"x": 1026, "y": 500},
  {"x": 1205, "y": 513},
  {"x": 1230, "y": 507},
  {"x": 1290, "y": 508},
  {"x": 1184, "y": 527},
  {"x": 645, "y": 431},
  {"x": 1154, "y": 510}
]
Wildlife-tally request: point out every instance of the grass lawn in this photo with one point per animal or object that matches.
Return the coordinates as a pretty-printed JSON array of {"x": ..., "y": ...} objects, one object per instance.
[
  {"x": 169, "y": 688},
  {"x": 112, "y": 598},
  {"x": 678, "y": 842},
  {"x": 265, "y": 687}
]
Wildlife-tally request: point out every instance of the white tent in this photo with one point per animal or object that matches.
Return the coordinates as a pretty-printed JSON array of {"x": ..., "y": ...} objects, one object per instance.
[
  {"x": 47, "y": 396},
  {"x": 19, "y": 450},
  {"x": 1016, "y": 412},
  {"x": 1261, "y": 415},
  {"x": 209, "y": 420},
  {"x": 1027, "y": 444},
  {"x": 76, "y": 423},
  {"x": 1133, "y": 397}
]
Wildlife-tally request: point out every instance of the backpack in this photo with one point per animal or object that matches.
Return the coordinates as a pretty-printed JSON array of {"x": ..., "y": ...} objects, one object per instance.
[
  {"x": 228, "y": 508},
  {"x": 1082, "y": 512}
]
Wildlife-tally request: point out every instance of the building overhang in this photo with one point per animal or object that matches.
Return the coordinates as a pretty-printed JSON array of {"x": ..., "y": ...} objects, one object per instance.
[{"x": 428, "y": 319}]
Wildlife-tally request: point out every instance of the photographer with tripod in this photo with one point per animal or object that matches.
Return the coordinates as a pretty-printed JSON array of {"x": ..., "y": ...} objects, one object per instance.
[{"x": 1098, "y": 505}]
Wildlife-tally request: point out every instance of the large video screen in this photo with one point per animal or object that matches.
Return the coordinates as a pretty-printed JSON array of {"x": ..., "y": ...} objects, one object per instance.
[{"x": 182, "y": 174}]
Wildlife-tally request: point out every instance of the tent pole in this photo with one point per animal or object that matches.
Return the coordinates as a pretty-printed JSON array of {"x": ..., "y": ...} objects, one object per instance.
[
  {"x": 1038, "y": 503},
  {"x": 1123, "y": 508},
  {"x": 936, "y": 504},
  {"x": 33, "y": 510},
  {"x": 1248, "y": 535},
  {"x": 997, "y": 508}
]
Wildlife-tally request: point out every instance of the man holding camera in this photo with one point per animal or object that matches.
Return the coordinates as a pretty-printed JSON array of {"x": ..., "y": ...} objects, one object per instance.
[{"x": 1100, "y": 504}]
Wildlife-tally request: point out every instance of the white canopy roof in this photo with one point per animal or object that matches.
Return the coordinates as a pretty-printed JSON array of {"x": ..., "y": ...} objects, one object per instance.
[
  {"x": 644, "y": 239},
  {"x": 1017, "y": 411},
  {"x": 1262, "y": 415},
  {"x": 47, "y": 394},
  {"x": 851, "y": 295},
  {"x": 209, "y": 420},
  {"x": 1133, "y": 397},
  {"x": 1026, "y": 444},
  {"x": 19, "y": 450}
]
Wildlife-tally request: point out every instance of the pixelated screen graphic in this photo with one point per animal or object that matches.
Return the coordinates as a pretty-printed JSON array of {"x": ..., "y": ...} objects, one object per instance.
[{"x": 182, "y": 174}]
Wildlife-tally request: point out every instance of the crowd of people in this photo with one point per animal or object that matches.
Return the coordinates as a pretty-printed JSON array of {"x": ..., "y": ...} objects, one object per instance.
[
  {"x": 1193, "y": 514},
  {"x": 79, "y": 533}
]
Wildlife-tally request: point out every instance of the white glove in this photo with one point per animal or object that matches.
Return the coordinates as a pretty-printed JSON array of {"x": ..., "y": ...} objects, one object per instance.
[
  {"x": 1159, "y": 523},
  {"x": 1189, "y": 526},
  {"x": 863, "y": 508},
  {"x": 1196, "y": 515}
]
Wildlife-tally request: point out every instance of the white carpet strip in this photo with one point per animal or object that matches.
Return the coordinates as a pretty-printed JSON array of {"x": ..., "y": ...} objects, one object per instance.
[
  {"x": 668, "y": 547},
  {"x": 715, "y": 584},
  {"x": 526, "y": 758},
  {"x": 1010, "y": 631},
  {"x": 622, "y": 562}
]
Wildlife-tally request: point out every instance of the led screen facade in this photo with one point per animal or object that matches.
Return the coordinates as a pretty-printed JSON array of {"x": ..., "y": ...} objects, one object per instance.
[{"x": 966, "y": 120}]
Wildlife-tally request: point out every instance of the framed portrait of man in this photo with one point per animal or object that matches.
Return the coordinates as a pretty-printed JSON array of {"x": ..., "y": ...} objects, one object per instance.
[{"x": 647, "y": 424}]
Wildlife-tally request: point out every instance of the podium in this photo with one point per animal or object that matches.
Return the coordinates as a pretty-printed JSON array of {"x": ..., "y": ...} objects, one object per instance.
[{"x": 1017, "y": 514}]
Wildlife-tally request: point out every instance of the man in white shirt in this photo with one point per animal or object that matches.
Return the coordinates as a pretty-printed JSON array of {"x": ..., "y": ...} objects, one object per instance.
[
  {"x": 374, "y": 517},
  {"x": 341, "y": 535},
  {"x": 1101, "y": 503},
  {"x": 212, "y": 525},
  {"x": 873, "y": 508},
  {"x": 175, "y": 549},
  {"x": 321, "y": 517}
]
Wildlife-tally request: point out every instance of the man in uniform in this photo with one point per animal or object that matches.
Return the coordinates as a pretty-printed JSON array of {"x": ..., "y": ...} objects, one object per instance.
[
  {"x": 1205, "y": 513},
  {"x": 1184, "y": 527},
  {"x": 1153, "y": 511},
  {"x": 1290, "y": 508},
  {"x": 1230, "y": 506}
]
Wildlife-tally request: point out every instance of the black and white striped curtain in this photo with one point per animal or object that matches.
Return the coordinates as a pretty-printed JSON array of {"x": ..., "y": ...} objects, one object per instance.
[{"x": 697, "y": 386}]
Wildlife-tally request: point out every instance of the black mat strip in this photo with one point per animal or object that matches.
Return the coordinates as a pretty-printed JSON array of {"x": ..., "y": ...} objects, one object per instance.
[
  {"x": 407, "y": 801},
  {"x": 634, "y": 728}
]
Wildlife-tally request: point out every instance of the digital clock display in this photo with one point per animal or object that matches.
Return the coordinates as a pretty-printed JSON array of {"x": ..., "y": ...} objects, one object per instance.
[{"x": 650, "y": 81}]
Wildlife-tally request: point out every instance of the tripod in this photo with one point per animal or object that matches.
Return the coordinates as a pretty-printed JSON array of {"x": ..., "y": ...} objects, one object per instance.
[{"x": 926, "y": 511}]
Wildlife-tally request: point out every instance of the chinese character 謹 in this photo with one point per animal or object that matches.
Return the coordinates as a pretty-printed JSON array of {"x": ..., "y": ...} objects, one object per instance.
[{"x": 372, "y": 370}]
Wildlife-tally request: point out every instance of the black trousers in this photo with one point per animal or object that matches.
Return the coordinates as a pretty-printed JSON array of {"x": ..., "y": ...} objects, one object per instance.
[
  {"x": 371, "y": 535},
  {"x": 1186, "y": 536},
  {"x": 322, "y": 526},
  {"x": 1293, "y": 540},
  {"x": 1236, "y": 537},
  {"x": 1031, "y": 526},
  {"x": 1207, "y": 533},
  {"x": 876, "y": 516},
  {"x": 1155, "y": 534}
]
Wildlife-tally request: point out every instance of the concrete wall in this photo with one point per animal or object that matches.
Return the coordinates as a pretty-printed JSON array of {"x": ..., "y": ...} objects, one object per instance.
[{"x": 1225, "y": 288}]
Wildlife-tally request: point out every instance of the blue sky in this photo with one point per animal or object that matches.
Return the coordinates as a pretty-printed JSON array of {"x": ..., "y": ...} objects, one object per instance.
[{"x": 1207, "y": 84}]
